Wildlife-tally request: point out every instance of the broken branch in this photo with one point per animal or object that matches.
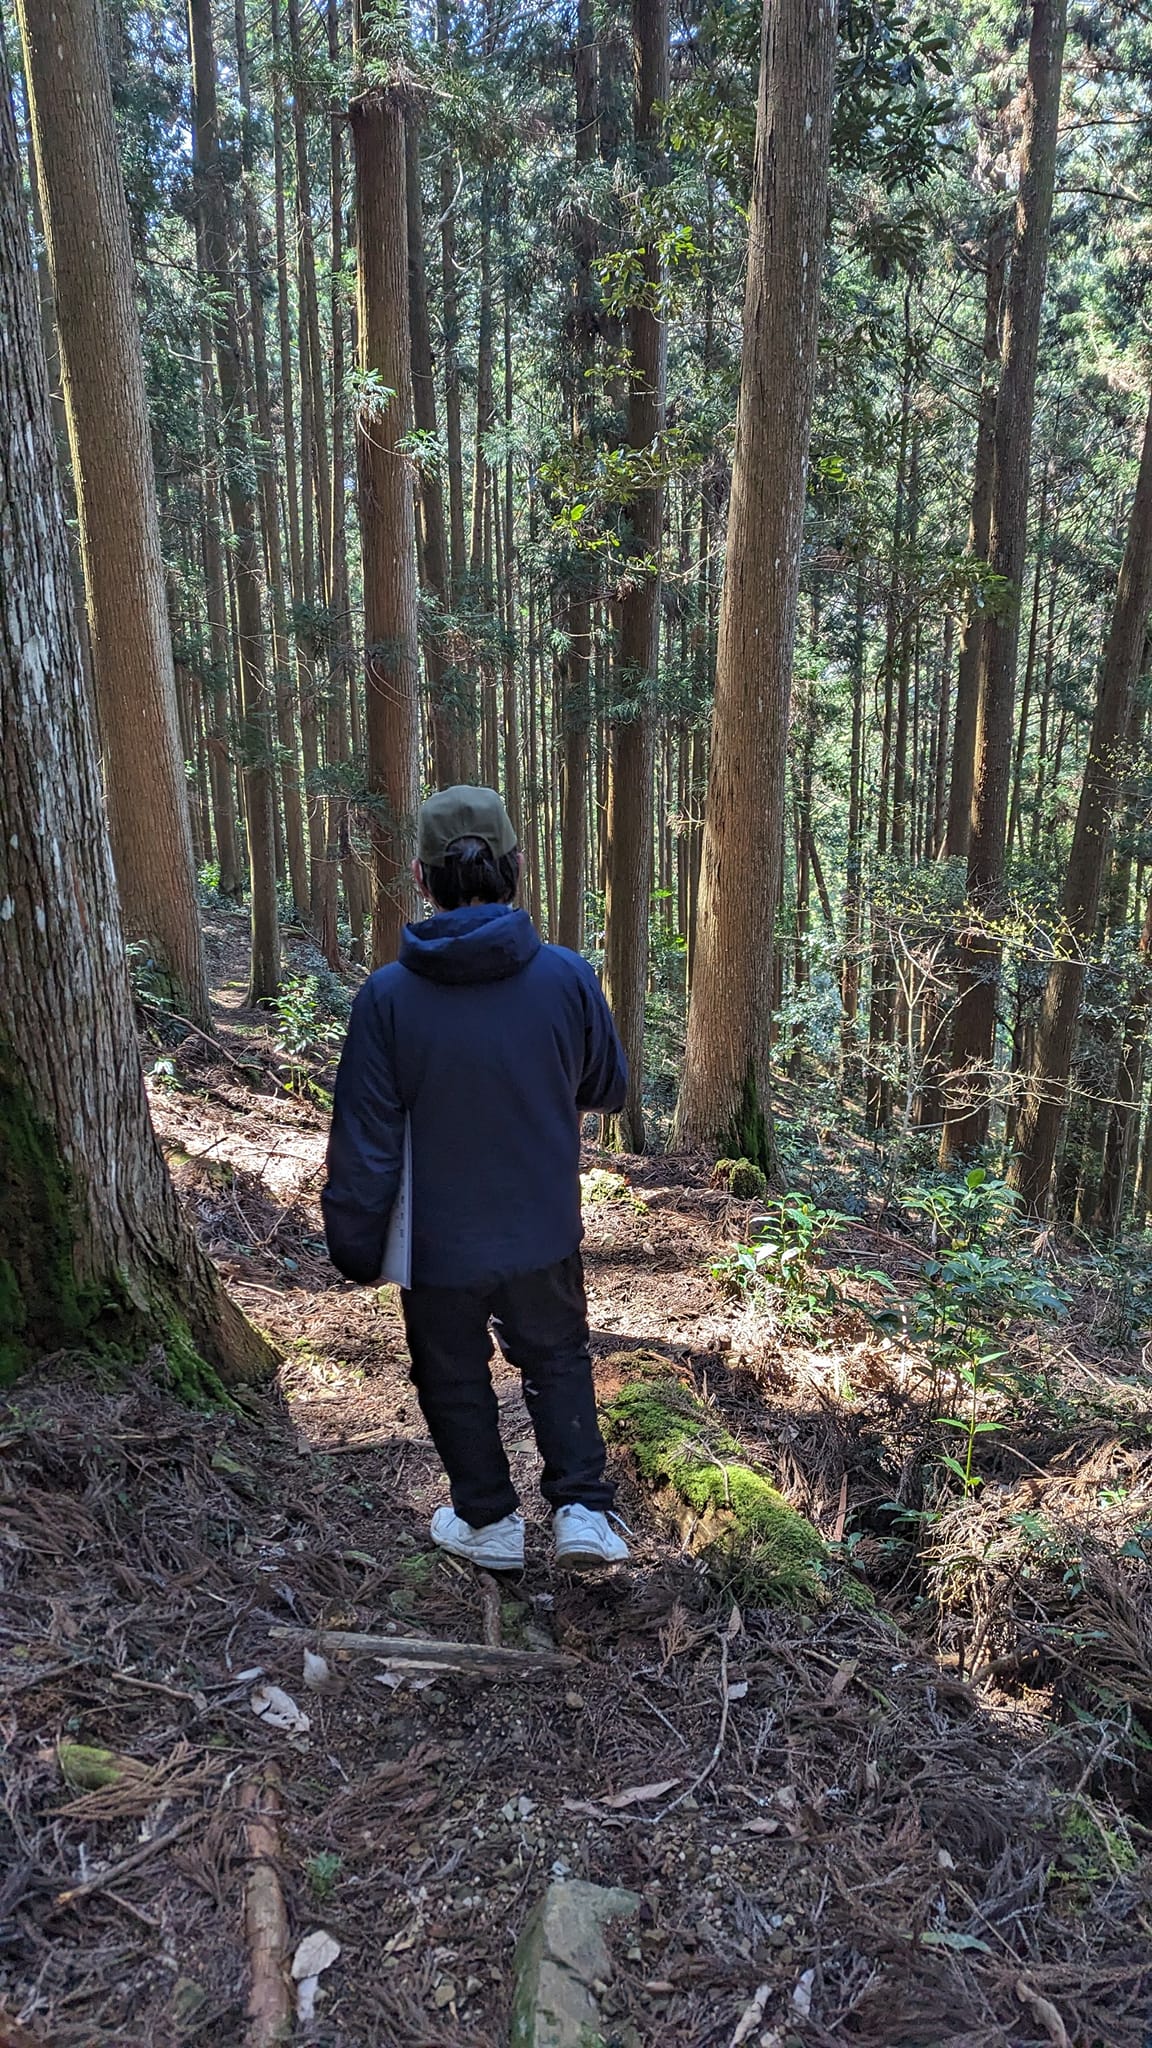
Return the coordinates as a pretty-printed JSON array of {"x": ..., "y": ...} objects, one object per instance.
[{"x": 405, "y": 1652}]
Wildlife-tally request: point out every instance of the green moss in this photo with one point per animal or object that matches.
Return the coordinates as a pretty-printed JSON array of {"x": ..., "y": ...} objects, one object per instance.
[
  {"x": 189, "y": 1375},
  {"x": 41, "y": 1306},
  {"x": 752, "y": 1536},
  {"x": 742, "y": 1178},
  {"x": 749, "y": 1135},
  {"x": 44, "y": 1307}
]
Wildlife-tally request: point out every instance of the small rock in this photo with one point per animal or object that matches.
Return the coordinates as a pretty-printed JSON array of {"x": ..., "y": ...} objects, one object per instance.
[{"x": 562, "y": 1960}]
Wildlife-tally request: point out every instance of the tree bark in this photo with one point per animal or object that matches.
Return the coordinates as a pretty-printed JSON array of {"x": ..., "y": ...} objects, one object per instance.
[
  {"x": 724, "y": 1094},
  {"x": 267, "y": 469},
  {"x": 90, "y": 253},
  {"x": 576, "y": 699},
  {"x": 218, "y": 681},
  {"x": 445, "y": 711},
  {"x": 974, "y": 1023},
  {"x": 1042, "y": 1113},
  {"x": 94, "y": 1248},
  {"x": 387, "y": 521},
  {"x": 850, "y": 1067},
  {"x": 450, "y": 310},
  {"x": 255, "y": 704},
  {"x": 629, "y": 827},
  {"x": 1120, "y": 1143},
  {"x": 968, "y": 673}
]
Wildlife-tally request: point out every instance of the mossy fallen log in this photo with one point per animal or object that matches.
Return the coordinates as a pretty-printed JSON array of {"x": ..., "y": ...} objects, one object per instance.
[
  {"x": 727, "y": 1511},
  {"x": 85, "y": 1767}
]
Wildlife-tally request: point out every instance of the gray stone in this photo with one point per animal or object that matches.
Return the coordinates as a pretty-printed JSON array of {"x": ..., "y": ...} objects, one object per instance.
[{"x": 561, "y": 1958}]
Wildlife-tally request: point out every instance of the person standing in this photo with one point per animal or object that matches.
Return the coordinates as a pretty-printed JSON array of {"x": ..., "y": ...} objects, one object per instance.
[{"x": 482, "y": 1047}]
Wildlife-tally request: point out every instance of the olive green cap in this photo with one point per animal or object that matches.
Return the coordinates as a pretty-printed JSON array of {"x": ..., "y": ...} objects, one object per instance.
[{"x": 465, "y": 812}]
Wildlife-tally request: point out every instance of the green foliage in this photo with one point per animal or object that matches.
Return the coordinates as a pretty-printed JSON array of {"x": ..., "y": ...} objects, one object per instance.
[
  {"x": 982, "y": 1279},
  {"x": 304, "y": 1030},
  {"x": 971, "y": 1212},
  {"x": 782, "y": 1256},
  {"x": 976, "y": 1378},
  {"x": 322, "y": 1872}
]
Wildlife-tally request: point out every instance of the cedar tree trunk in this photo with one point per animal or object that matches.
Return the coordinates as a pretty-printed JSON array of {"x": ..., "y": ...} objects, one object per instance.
[
  {"x": 1042, "y": 1114},
  {"x": 90, "y": 252},
  {"x": 724, "y": 1093},
  {"x": 94, "y": 1249}
]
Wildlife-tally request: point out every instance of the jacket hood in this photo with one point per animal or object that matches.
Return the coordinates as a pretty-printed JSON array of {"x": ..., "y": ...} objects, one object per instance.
[{"x": 485, "y": 942}]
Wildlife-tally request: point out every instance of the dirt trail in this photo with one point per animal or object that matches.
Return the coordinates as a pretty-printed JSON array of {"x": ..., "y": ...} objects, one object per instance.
[{"x": 832, "y": 1832}]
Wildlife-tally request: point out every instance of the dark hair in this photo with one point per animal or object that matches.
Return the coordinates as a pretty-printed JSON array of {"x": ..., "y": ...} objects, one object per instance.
[{"x": 469, "y": 872}]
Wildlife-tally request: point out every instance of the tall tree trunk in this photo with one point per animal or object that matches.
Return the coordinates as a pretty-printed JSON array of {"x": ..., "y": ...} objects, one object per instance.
[
  {"x": 268, "y": 470},
  {"x": 1120, "y": 1143},
  {"x": 90, "y": 253},
  {"x": 387, "y": 520},
  {"x": 724, "y": 1093},
  {"x": 890, "y": 814},
  {"x": 576, "y": 704},
  {"x": 629, "y": 842},
  {"x": 850, "y": 1071},
  {"x": 93, "y": 1243},
  {"x": 1042, "y": 1113},
  {"x": 1024, "y": 720},
  {"x": 255, "y": 705},
  {"x": 940, "y": 766},
  {"x": 218, "y": 680},
  {"x": 443, "y": 681},
  {"x": 450, "y": 306},
  {"x": 968, "y": 674},
  {"x": 974, "y": 1024}
]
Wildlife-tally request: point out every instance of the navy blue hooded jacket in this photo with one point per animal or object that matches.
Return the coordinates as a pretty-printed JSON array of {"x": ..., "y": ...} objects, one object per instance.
[{"x": 494, "y": 1044}]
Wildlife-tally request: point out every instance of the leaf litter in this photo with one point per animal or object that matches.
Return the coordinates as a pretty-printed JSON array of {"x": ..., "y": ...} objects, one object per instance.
[{"x": 907, "y": 1835}]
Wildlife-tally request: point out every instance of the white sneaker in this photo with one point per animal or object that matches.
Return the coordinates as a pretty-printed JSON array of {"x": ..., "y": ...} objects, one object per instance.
[
  {"x": 585, "y": 1541},
  {"x": 499, "y": 1547}
]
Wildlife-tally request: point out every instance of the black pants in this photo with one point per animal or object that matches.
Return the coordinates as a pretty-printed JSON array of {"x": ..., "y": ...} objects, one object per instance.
[{"x": 540, "y": 1321}]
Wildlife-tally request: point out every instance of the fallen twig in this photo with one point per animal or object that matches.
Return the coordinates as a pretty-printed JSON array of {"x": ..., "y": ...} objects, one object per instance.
[
  {"x": 265, "y": 1917},
  {"x": 375, "y": 1440},
  {"x": 403, "y": 1652},
  {"x": 490, "y": 1608},
  {"x": 241, "y": 1066},
  {"x": 118, "y": 1870}
]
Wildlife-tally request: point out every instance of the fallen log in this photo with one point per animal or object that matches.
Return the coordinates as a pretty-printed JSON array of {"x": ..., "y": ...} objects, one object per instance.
[
  {"x": 406, "y": 1653},
  {"x": 265, "y": 1915}
]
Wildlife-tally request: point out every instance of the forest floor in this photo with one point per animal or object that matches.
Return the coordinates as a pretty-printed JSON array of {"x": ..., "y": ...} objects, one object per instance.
[{"x": 918, "y": 1823}]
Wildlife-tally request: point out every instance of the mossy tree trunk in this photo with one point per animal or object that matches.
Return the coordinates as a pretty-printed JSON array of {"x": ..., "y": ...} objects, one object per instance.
[
  {"x": 93, "y": 1244},
  {"x": 724, "y": 1091}
]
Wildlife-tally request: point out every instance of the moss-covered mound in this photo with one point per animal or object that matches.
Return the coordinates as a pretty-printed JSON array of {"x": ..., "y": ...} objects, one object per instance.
[
  {"x": 726, "y": 1510},
  {"x": 744, "y": 1180}
]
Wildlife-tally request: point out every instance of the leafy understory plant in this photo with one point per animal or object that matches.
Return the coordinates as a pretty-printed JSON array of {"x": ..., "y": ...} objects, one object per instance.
[
  {"x": 781, "y": 1259},
  {"x": 306, "y": 1031},
  {"x": 977, "y": 1378}
]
